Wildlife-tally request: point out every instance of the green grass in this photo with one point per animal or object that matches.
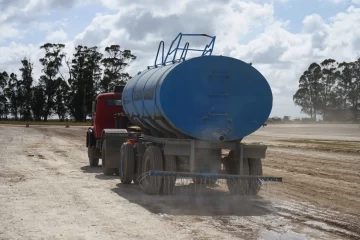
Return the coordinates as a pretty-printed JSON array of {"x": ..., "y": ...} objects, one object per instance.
[
  {"x": 48, "y": 123},
  {"x": 326, "y": 145}
]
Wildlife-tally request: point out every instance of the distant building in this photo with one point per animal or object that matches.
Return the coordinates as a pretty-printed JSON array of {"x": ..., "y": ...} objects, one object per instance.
[{"x": 286, "y": 118}]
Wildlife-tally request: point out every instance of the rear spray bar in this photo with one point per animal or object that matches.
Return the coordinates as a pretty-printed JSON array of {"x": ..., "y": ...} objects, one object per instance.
[{"x": 213, "y": 175}]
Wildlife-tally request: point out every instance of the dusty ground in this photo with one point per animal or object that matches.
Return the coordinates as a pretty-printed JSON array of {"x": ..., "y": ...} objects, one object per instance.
[{"x": 47, "y": 191}]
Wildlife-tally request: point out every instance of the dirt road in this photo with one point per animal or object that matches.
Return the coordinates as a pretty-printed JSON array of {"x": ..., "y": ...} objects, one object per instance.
[{"x": 47, "y": 191}]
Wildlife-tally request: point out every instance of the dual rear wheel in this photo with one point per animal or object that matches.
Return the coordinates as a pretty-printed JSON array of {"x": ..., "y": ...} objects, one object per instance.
[
  {"x": 251, "y": 167},
  {"x": 135, "y": 160},
  {"x": 127, "y": 163},
  {"x": 107, "y": 170}
]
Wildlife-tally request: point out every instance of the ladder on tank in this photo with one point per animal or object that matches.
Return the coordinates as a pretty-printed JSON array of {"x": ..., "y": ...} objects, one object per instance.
[{"x": 206, "y": 51}]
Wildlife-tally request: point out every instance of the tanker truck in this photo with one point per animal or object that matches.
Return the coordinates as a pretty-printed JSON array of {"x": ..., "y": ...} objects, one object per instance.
[{"x": 189, "y": 110}]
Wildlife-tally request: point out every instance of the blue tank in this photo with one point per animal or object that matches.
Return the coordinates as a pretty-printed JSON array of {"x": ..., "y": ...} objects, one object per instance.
[{"x": 211, "y": 98}]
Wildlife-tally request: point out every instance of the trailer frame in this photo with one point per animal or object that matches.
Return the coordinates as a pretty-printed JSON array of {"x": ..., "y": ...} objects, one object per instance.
[{"x": 181, "y": 151}]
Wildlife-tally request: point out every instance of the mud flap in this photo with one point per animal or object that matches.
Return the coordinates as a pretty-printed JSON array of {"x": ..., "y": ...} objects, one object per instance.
[
  {"x": 114, "y": 139},
  {"x": 112, "y": 154},
  {"x": 254, "y": 151}
]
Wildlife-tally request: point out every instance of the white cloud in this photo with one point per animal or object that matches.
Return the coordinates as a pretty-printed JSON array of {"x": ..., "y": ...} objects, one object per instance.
[
  {"x": 48, "y": 26},
  {"x": 338, "y": 1},
  {"x": 9, "y": 32},
  {"x": 246, "y": 30},
  {"x": 44, "y": 5},
  {"x": 12, "y": 54},
  {"x": 57, "y": 36}
]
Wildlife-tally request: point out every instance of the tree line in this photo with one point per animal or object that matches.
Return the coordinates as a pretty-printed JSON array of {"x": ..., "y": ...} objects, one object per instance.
[
  {"x": 331, "y": 90},
  {"x": 89, "y": 73}
]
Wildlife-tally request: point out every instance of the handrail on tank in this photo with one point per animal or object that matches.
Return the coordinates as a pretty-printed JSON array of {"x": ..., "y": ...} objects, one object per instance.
[
  {"x": 157, "y": 54},
  {"x": 185, "y": 50},
  {"x": 164, "y": 60}
]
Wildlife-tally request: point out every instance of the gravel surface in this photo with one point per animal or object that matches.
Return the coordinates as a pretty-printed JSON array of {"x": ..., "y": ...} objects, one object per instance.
[{"x": 48, "y": 191}]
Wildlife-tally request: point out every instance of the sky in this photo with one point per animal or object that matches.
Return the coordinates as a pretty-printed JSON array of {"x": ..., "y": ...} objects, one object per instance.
[{"x": 281, "y": 38}]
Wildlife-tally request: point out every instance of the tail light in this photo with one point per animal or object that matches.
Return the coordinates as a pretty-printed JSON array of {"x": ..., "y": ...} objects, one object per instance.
[{"x": 131, "y": 142}]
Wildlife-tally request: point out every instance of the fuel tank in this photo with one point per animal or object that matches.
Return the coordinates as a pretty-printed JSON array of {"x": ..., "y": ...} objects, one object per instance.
[{"x": 211, "y": 98}]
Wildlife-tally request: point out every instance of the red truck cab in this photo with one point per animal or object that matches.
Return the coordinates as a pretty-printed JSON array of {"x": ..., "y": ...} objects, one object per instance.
[
  {"x": 104, "y": 109},
  {"x": 110, "y": 128},
  {"x": 105, "y": 106}
]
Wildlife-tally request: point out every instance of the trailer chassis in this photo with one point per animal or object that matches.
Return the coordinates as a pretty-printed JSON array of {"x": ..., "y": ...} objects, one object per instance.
[{"x": 147, "y": 160}]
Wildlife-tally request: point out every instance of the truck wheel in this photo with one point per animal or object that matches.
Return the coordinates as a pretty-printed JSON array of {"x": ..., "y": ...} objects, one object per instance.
[
  {"x": 169, "y": 182},
  {"x": 152, "y": 160},
  {"x": 255, "y": 169},
  {"x": 139, "y": 150},
  {"x": 106, "y": 171},
  {"x": 93, "y": 160},
  {"x": 232, "y": 166},
  {"x": 208, "y": 181},
  {"x": 127, "y": 159}
]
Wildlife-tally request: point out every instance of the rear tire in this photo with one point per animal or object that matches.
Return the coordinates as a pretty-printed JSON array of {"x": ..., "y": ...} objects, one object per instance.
[
  {"x": 255, "y": 169},
  {"x": 93, "y": 160},
  {"x": 139, "y": 153},
  {"x": 127, "y": 162},
  {"x": 169, "y": 181},
  {"x": 106, "y": 171},
  {"x": 152, "y": 160},
  {"x": 232, "y": 166}
]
